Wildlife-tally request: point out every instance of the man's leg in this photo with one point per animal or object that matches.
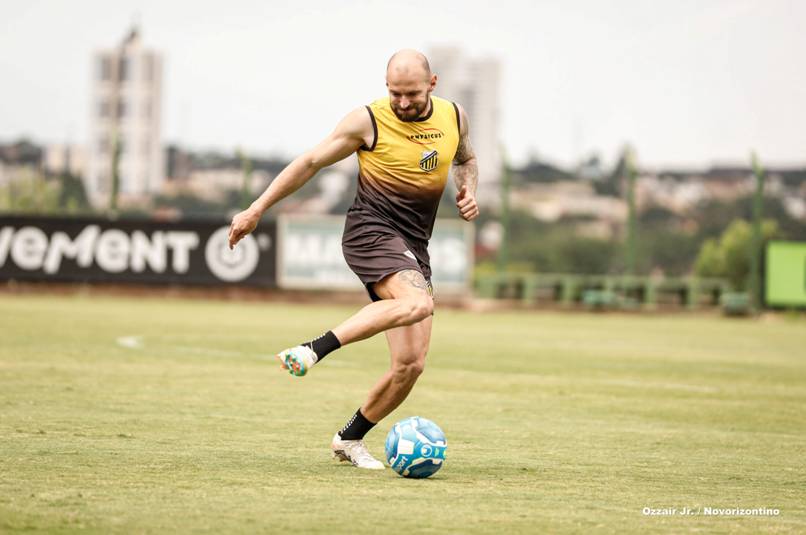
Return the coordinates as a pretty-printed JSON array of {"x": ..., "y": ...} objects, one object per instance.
[
  {"x": 408, "y": 346},
  {"x": 405, "y": 300}
]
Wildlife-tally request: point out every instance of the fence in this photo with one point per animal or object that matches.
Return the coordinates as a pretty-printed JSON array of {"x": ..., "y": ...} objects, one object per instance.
[{"x": 600, "y": 291}]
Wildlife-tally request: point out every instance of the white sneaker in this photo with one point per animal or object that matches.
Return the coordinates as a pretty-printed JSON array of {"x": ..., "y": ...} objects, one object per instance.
[
  {"x": 354, "y": 451},
  {"x": 297, "y": 360}
]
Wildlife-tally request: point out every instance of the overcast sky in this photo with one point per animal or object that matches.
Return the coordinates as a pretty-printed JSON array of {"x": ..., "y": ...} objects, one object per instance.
[{"x": 686, "y": 82}]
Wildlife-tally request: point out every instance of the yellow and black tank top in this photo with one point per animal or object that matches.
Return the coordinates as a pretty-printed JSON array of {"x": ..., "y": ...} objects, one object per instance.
[{"x": 403, "y": 173}]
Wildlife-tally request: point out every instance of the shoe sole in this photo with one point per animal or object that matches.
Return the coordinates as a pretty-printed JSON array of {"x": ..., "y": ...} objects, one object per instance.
[
  {"x": 342, "y": 457},
  {"x": 292, "y": 365}
]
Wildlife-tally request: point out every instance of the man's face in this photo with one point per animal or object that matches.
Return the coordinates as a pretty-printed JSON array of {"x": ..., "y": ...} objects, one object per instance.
[{"x": 409, "y": 95}]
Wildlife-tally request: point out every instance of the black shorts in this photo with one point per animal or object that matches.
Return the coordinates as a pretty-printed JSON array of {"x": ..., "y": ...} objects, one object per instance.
[{"x": 376, "y": 255}]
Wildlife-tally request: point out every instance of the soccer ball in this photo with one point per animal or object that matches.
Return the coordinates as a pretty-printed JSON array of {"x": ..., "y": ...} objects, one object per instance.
[{"x": 415, "y": 447}]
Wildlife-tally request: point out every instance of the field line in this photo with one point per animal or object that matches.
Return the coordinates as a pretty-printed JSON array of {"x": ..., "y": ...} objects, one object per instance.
[{"x": 137, "y": 342}]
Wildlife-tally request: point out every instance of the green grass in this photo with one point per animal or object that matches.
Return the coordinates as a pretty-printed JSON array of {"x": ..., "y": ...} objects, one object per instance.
[{"x": 555, "y": 422}]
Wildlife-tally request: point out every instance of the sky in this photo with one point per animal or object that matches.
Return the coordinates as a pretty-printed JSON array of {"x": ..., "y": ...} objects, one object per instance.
[{"x": 686, "y": 83}]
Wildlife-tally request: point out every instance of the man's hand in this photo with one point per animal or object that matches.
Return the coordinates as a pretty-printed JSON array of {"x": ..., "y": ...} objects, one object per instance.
[
  {"x": 466, "y": 203},
  {"x": 242, "y": 224}
]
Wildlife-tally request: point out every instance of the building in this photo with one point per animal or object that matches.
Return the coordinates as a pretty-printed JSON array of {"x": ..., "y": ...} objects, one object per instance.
[
  {"x": 64, "y": 158},
  {"x": 19, "y": 161},
  {"x": 553, "y": 201},
  {"x": 126, "y": 113},
  {"x": 214, "y": 184},
  {"x": 475, "y": 84}
]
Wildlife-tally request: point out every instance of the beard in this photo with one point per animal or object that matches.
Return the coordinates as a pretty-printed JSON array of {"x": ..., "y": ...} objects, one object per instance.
[{"x": 412, "y": 113}]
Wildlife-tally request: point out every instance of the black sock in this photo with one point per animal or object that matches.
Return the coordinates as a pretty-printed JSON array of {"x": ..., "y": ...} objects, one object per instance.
[
  {"x": 356, "y": 428},
  {"x": 324, "y": 345}
]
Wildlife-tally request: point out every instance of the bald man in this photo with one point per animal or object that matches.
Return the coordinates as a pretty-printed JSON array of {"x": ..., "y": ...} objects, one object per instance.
[{"x": 406, "y": 145}]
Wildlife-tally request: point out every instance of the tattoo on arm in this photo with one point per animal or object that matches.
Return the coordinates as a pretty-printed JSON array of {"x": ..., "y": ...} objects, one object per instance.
[
  {"x": 464, "y": 151},
  {"x": 414, "y": 278},
  {"x": 465, "y": 170}
]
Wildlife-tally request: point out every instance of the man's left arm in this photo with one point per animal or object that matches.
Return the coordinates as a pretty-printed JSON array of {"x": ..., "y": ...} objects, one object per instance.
[{"x": 465, "y": 171}]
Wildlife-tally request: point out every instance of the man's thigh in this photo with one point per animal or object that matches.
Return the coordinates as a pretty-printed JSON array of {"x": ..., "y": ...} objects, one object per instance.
[
  {"x": 404, "y": 283},
  {"x": 407, "y": 344}
]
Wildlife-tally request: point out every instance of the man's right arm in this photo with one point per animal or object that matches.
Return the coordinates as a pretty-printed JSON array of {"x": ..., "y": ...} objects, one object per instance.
[{"x": 350, "y": 134}]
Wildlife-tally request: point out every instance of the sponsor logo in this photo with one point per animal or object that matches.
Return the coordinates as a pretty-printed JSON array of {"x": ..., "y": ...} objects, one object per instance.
[
  {"x": 429, "y": 160},
  {"x": 426, "y": 137},
  {"x": 227, "y": 264},
  {"x": 116, "y": 251},
  {"x": 112, "y": 250},
  {"x": 409, "y": 254}
]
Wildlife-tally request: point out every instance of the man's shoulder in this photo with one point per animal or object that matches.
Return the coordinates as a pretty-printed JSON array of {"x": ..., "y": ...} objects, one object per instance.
[{"x": 357, "y": 121}]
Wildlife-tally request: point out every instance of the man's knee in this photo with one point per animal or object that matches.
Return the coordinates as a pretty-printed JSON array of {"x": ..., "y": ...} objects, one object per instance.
[
  {"x": 418, "y": 308},
  {"x": 409, "y": 371}
]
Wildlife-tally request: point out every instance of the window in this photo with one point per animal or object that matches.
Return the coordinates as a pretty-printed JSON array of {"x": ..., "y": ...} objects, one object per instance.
[
  {"x": 148, "y": 66},
  {"x": 103, "y": 108},
  {"x": 122, "y": 109},
  {"x": 123, "y": 69},
  {"x": 104, "y": 69}
]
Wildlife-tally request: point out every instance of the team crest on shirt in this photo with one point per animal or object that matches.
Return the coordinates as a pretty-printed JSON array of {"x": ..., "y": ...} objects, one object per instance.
[{"x": 429, "y": 160}]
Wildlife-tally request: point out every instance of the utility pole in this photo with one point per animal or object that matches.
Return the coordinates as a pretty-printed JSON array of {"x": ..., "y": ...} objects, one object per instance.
[
  {"x": 115, "y": 189},
  {"x": 246, "y": 184},
  {"x": 630, "y": 174},
  {"x": 502, "y": 264},
  {"x": 755, "y": 248},
  {"x": 12, "y": 198}
]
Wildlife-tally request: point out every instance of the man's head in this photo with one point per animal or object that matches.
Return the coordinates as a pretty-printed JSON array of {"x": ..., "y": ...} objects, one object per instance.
[{"x": 410, "y": 82}]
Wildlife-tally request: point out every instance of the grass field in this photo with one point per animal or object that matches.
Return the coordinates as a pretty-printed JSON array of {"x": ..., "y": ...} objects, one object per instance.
[{"x": 146, "y": 415}]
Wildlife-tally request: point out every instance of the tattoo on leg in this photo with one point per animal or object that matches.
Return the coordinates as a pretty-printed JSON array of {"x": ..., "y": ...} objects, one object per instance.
[{"x": 414, "y": 278}]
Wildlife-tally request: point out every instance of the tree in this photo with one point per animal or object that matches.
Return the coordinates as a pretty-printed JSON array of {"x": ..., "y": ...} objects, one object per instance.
[
  {"x": 729, "y": 257},
  {"x": 72, "y": 195}
]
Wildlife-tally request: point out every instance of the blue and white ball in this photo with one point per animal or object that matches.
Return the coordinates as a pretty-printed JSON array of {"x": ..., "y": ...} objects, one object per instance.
[{"x": 415, "y": 447}]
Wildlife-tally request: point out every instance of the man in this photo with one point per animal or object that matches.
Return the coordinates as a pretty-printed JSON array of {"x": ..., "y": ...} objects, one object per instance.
[{"x": 405, "y": 144}]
